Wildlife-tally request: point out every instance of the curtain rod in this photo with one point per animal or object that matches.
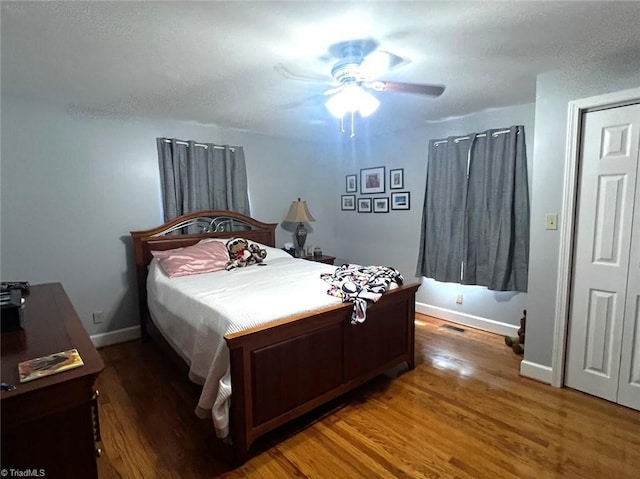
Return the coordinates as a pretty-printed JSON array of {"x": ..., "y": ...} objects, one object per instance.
[
  {"x": 200, "y": 145},
  {"x": 481, "y": 135}
]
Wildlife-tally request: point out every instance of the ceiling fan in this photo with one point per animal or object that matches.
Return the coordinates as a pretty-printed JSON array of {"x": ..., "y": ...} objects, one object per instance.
[{"x": 359, "y": 66}]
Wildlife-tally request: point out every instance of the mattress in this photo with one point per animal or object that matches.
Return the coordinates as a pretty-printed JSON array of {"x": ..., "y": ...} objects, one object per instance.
[{"x": 194, "y": 313}]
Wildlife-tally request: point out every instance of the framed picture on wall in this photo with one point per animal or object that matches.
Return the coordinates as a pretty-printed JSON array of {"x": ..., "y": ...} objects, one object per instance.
[
  {"x": 364, "y": 205},
  {"x": 372, "y": 180},
  {"x": 348, "y": 202},
  {"x": 400, "y": 200},
  {"x": 396, "y": 179},
  {"x": 381, "y": 205},
  {"x": 352, "y": 183}
]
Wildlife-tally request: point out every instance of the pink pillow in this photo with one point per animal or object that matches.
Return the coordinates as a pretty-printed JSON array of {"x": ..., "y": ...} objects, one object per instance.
[{"x": 196, "y": 259}]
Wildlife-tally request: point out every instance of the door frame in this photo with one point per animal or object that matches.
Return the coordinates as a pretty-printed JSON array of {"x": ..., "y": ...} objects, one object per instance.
[{"x": 577, "y": 109}]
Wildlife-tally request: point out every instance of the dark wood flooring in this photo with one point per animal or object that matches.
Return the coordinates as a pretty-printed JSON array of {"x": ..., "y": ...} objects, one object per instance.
[{"x": 463, "y": 412}]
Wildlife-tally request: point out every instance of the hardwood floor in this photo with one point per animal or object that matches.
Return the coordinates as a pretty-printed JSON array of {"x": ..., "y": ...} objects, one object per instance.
[{"x": 463, "y": 412}]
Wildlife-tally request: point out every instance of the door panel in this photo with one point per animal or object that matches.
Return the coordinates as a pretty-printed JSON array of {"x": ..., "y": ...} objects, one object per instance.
[
  {"x": 602, "y": 252},
  {"x": 602, "y": 305},
  {"x": 607, "y": 238}
]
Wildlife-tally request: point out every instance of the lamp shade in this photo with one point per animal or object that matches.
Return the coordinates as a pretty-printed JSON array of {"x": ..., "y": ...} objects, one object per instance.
[{"x": 299, "y": 213}]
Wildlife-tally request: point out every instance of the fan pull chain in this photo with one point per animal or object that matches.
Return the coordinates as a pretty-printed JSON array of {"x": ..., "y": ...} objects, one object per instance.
[
  {"x": 342, "y": 130},
  {"x": 352, "y": 131}
]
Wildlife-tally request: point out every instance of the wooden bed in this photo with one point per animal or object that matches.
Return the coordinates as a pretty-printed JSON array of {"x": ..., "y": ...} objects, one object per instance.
[{"x": 285, "y": 369}]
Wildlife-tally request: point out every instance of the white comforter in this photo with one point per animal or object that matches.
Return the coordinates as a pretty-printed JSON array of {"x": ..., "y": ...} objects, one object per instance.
[{"x": 195, "y": 312}]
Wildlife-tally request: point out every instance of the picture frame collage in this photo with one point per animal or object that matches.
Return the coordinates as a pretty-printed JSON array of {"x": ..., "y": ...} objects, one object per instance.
[{"x": 373, "y": 181}]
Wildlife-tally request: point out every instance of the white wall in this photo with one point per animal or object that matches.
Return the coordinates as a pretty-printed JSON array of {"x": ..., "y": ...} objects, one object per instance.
[
  {"x": 393, "y": 238},
  {"x": 554, "y": 91},
  {"x": 74, "y": 186}
]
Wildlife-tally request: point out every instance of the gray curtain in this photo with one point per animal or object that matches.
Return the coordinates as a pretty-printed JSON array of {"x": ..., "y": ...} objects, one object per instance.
[
  {"x": 194, "y": 178},
  {"x": 475, "y": 226},
  {"x": 443, "y": 212}
]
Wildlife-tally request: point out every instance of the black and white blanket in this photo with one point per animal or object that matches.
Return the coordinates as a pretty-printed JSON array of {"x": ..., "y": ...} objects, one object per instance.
[{"x": 362, "y": 285}]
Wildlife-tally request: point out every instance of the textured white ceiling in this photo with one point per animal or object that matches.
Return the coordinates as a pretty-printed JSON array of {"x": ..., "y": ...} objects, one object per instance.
[{"x": 213, "y": 62}]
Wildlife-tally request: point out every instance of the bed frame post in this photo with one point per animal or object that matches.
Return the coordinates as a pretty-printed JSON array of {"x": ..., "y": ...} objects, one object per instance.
[
  {"x": 238, "y": 410},
  {"x": 411, "y": 363},
  {"x": 141, "y": 276}
]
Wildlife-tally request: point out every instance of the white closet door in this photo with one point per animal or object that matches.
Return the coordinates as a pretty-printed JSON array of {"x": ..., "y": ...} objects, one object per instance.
[
  {"x": 629, "y": 382},
  {"x": 608, "y": 181}
]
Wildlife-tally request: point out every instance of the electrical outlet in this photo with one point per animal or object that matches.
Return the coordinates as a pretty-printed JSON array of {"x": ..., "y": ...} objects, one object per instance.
[
  {"x": 459, "y": 298},
  {"x": 97, "y": 317}
]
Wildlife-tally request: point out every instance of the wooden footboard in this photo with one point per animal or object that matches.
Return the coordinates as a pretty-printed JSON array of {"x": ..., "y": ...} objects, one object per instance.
[{"x": 284, "y": 370}]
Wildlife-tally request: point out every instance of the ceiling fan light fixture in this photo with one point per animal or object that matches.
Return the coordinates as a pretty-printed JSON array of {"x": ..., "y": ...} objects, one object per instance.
[
  {"x": 351, "y": 99},
  {"x": 368, "y": 103},
  {"x": 337, "y": 105}
]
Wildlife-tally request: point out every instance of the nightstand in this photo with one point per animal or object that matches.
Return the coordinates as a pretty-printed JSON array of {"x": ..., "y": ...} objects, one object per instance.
[{"x": 321, "y": 259}]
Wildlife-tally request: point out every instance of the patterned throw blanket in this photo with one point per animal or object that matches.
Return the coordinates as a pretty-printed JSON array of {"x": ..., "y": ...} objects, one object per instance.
[{"x": 362, "y": 285}]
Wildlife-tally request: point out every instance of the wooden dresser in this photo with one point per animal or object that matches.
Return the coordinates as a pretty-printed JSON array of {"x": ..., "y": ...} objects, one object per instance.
[{"x": 50, "y": 425}]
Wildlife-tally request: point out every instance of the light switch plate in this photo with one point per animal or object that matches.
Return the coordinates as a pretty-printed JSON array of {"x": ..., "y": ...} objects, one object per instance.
[
  {"x": 552, "y": 221},
  {"x": 97, "y": 317}
]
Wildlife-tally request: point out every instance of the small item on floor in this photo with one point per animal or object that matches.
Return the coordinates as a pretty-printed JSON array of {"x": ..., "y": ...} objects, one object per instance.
[{"x": 517, "y": 342}]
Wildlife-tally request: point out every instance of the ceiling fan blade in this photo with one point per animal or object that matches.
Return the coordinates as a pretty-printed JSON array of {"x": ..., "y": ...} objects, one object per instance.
[
  {"x": 415, "y": 88},
  {"x": 378, "y": 63},
  {"x": 310, "y": 77}
]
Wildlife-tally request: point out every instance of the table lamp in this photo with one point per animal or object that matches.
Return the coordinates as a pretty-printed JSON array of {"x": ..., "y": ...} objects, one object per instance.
[{"x": 299, "y": 213}]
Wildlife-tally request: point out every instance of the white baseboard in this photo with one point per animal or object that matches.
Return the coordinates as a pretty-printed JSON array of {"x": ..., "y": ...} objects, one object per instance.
[
  {"x": 466, "y": 319},
  {"x": 536, "y": 371},
  {"x": 115, "y": 337}
]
